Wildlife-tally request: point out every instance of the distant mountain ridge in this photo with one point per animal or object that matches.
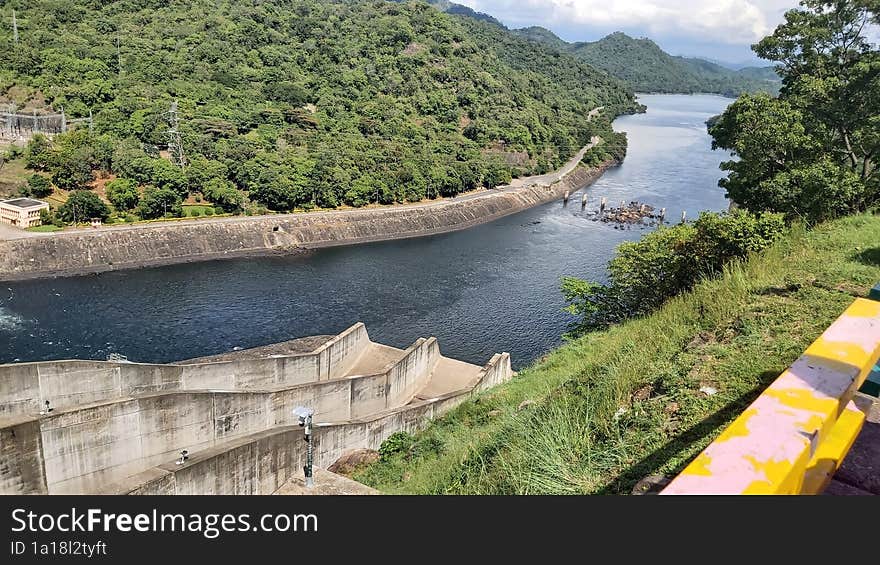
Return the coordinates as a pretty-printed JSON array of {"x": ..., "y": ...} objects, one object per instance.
[
  {"x": 732, "y": 65},
  {"x": 642, "y": 63},
  {"x": 647, "y": 68}
]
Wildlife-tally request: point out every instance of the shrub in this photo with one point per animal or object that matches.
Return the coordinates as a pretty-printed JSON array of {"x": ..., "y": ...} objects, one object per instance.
[
  {"x": 82, "y": 205},
  {"x": 396, "y": 443},
  {"x": 38, "y": 153},
  {"x": 14, "y": 152},
  {"x": 123, "y": 194},
  {"x": 48, "y": 217},
  {"x": 224, "y": 195},
  {"x": 39, "y": 186},
  {"x": 209, "y": 211},
  {"x": 665, "y": 263},
  {"x": 158, "y": 202}
]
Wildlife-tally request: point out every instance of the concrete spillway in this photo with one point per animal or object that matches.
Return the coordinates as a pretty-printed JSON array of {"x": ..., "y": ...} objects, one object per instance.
[{"x": 118, "y": 427}]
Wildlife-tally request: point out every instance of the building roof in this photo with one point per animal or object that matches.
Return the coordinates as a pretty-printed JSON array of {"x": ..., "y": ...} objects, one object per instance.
[{"x": 24, "y": 203}]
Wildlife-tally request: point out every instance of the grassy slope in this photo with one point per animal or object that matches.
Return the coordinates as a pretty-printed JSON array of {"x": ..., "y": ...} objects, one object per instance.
[
  {"x": 13, "y": 176},
  {"x": 736, "y": 333}
]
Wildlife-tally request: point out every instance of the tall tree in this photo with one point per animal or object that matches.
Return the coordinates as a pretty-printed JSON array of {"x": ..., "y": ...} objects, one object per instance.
[
  {"x": 831, "y": 70},
  {"x": 83, "y": 205},
  {"x": 812, "y": 152}
]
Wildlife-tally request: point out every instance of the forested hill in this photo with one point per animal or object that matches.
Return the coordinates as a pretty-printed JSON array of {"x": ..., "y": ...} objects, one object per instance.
[
  {"x": 298, "y": 103},
  {"x": 460, "y": 10},
  {"x": 647, "y": 68}
]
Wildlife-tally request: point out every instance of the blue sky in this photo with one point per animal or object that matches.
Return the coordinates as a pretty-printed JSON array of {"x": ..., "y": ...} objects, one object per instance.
[{"x": 715, "y": 29}]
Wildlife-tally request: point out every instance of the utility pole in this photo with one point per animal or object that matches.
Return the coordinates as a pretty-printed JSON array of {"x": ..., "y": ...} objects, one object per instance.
[
  {"x": 14, "y": 28},
  {"x": 118, "y": 55},
  {"x": 175, "y": 146},
  {"x": 91, "y": 124}
]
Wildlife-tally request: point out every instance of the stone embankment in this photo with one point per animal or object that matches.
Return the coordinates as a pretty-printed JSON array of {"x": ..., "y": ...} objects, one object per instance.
[{"x": 113, "y": 248}]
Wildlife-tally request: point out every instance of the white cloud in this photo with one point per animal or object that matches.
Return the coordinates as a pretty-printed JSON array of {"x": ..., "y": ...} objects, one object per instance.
[{"x": 735, "y": 22}]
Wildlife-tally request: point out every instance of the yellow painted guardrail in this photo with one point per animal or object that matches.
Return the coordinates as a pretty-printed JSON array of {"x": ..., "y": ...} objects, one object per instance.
[{"x": 793, "y": 438}]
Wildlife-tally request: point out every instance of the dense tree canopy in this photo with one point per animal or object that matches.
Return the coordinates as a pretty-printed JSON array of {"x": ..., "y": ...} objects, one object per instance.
[
  {"x": 39, "y": 186},
  {"x": 812, "y": 152},
  {"x": 122, "y": 193},
  {"x": 159, "y": 203},
  {"x": 297, "y": 103},
  {"x": 82, "y": 206}
]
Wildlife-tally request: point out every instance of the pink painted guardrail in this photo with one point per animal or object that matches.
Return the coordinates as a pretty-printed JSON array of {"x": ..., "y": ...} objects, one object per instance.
[{"x": 793, "y": 438}]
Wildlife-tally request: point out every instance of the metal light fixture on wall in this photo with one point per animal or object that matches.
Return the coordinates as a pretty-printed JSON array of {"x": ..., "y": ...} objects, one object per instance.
[{"x": 304, "y": 416}]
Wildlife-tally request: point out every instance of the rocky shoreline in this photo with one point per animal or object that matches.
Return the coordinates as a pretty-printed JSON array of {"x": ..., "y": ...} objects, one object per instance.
[{"x": 129, "y": 247}]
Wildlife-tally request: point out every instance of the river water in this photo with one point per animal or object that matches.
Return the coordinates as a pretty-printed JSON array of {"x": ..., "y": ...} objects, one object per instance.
[{"x": 487, "y": 289}]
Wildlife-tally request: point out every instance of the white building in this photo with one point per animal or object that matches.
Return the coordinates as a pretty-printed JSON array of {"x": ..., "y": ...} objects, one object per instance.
[{"x": 22, "y": 212}]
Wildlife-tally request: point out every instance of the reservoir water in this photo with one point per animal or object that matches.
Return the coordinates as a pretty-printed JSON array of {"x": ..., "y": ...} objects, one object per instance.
[{"x": 487, "y": 289}]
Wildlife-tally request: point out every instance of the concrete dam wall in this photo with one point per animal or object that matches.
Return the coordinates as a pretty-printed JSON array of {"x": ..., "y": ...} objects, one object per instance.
[
  {"x": 112, "y": 248},
  {"x": 26, "y": 387},
  {"x": 118, "y": 427}
]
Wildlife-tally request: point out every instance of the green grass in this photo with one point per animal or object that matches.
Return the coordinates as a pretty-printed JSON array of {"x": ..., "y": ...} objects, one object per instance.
[
  {"x": 45, "y": 228},
  {"x": 197, "y": 210},
  {"x": 615, "y": 406},
  {"x": 13, "y": 176}
]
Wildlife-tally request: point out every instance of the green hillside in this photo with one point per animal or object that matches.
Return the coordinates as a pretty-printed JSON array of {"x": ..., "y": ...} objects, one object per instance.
[
  {"x": 543, "y": 35},
  {"x": 760, "y": 73},
  {"x": 615, "y": 406},
  {"x": 460, "y": 10},
  {"x": 647, "y": 68},
  {"x": 297, "y": 103}
]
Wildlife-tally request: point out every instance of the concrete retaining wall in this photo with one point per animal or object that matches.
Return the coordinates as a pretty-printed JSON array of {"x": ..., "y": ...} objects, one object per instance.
[
  {"x": 114, "y": 420},
  {"x": 62, "y": 254},
  {"x": 412, "y": 372},
  {"x": 83, "y": 450},
  {"x": 21, "y": 459},
  {"x": 84, "y": 447},
  {"x": 262, "y": 463},
  {"x": 337, "y": 357},
  {"x": 496, "y": 371},
  {"x": 26, "y": 386}
]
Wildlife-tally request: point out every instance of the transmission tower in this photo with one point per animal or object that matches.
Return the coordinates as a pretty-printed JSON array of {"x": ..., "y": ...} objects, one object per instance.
[
  {"x": 175, "y": 145},
  {"x": 14, "y": 28}
]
